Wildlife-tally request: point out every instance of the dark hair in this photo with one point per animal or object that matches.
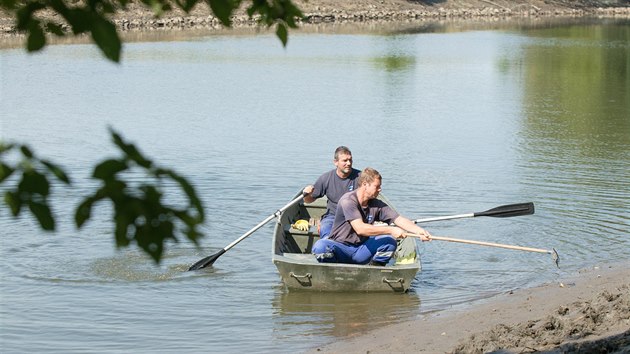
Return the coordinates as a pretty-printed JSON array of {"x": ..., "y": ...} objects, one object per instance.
[
  {"x": 342, "y": 150},
  {"x": 368, "y": 175}
]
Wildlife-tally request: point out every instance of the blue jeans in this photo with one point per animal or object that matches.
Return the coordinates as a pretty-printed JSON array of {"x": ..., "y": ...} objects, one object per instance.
[
  {"x": 325, "y": 225},
  {"x": 376, "y": 248}
]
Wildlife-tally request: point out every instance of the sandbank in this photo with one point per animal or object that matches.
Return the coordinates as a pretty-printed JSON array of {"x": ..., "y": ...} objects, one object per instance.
[{"x": 586, "y": 312}]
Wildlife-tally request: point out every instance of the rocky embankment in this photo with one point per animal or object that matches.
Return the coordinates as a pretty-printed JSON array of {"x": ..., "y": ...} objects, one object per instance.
[{"x": 138, "y": 17}]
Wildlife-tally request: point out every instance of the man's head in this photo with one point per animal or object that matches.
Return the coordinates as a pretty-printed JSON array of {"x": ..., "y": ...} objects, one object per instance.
[
  {"x": 370, "y": 180},
  {"x": 343, "y": 161}
]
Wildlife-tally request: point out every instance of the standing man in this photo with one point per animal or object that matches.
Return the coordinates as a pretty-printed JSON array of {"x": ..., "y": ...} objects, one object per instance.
[
  {"x": 354, "y": 237},
  {"x": 333, "y": 184}
]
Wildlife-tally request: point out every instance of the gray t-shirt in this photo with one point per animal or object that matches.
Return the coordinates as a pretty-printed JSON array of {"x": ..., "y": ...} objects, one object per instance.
[
  {"x": 333, "y": 187},
  {"x": 349, "y": 209}
]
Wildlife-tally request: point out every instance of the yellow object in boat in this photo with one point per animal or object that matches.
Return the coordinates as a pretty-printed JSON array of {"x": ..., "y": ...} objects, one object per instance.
[{"x": 301, "y": 225}]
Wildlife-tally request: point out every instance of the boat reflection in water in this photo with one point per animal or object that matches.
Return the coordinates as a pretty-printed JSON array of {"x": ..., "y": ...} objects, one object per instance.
[{"x": 340, "y": 314}]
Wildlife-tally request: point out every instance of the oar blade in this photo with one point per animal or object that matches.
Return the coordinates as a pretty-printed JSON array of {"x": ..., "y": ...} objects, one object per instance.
[
  {"x": 506, "y": 211},
  {"x": 556, "y": 257},
  {"x": 205, "y": 262}
]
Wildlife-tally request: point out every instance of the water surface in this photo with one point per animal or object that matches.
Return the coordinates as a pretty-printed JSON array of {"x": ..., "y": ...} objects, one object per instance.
[{"x": 456, "y": 122}]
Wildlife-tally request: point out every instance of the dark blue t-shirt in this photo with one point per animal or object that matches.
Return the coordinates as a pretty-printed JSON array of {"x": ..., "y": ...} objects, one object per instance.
[{"x": 333, "y": 187}]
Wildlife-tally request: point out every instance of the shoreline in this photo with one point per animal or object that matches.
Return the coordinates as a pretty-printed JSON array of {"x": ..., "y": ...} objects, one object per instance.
[
  {"x": 588, "y": 312},
  {"x": 136, "y": 17}
]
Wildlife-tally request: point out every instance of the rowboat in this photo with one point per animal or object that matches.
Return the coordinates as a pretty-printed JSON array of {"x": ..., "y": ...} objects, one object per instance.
[{"x": 299, "y": 270}]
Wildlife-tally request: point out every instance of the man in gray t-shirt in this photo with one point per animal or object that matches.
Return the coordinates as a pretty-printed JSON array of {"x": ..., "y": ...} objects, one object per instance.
[
  {"x": 333, "y": 184},
  {"x": 355, "y": 238}
]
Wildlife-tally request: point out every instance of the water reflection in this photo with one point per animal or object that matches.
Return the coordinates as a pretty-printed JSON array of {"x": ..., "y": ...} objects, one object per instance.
[
  {"x": 576, "y": 88},
  {"x": 395, "y": 63},
  {"x": 576, "y": 132},
  {"x": 339, "y": 314}
]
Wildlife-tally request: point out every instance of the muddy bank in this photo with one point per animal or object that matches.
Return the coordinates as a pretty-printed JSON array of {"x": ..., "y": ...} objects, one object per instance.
[{"x": 585, "y": 313}]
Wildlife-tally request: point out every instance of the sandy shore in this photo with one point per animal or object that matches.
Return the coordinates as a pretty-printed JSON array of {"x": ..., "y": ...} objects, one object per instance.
[{"x": 586, "y": 313}]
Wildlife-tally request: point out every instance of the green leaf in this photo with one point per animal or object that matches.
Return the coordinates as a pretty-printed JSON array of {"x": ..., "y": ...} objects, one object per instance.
[
  {"x": 60, "y": 7},
  {"x": 114, "y": 190},
  {"x": 122, "y": 224},
  {"x": 292, "y": 13},
  {"x": 5, "y": 171},
  {"x": 4, "y": 147},
  {"x": 55, "y": 29},
  {"x": 36, "y": 39},
  {"x": 223, "y": 9},
  {"x": 108, "y": 168},
  {"x": 186, "y": 5},
  {"x": 14, "y": 202},
  {"x": 106, "y": 6},
  {"x": 8, "y": 4},
  {"x": 106, "y": 38},
  {"x": 152, "y": 196},
  {"x": 130, "y": 151},
  {"x": 188, "y": 189},
  {"x": 24, "y": 15},
  {"x": 158, "y": 6},
  {"x": 43, "y": 215},
  {"x": 282, "y": 33},
  {"x": 57, "y": 171},
  {"x": 84, "y": 211},
  {"x": 34, "y": 182},
  {"x": 79, "y": 19},
  {"x": 153, "y": 245},
  {"x": 257, "y": 6},
  {"x": 26, "y": 151}
]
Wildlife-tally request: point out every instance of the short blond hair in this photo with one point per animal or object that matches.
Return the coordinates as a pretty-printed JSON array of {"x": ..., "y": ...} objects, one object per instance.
[{"x": 369, "y": 175}]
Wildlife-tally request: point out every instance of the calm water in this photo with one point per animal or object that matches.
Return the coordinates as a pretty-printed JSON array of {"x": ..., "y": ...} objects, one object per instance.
[{"x": 456, "y": 122}]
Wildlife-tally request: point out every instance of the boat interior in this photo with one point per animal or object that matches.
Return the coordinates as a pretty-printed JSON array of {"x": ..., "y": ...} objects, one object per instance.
[
  {"x": 296, "y": 243},
  {"x": 297, "y": 240}
]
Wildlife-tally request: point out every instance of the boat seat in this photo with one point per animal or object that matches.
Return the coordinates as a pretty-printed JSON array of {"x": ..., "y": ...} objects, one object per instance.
[
  {"x": 302, "y": 257},
  {"x": 298, "y": 241}
]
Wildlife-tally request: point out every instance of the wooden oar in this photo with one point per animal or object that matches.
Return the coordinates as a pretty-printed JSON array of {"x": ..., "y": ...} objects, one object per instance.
[
  {"x": 503, "y": 211},
  {"x": 211, "y": 259},
  {"x": 552, "y": 252}
]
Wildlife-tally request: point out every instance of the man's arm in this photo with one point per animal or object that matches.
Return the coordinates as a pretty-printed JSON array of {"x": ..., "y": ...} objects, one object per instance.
[
  {"x": 410, "y": 226},
  {"x": 320, "y": 184},
  {"x": 367, "y": 230},
  {"x": 308, "y": 194}
]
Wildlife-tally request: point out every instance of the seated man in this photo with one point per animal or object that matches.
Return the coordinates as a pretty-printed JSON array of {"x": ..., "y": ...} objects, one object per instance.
[
  {"x": 354, "y": 237},
  {"x": 333, "y": 184}
]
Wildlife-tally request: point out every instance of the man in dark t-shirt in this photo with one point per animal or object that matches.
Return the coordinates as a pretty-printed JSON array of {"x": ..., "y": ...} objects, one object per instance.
[
  {"x": 354, "y": 237},
  {"x": 333, "y": 184}
]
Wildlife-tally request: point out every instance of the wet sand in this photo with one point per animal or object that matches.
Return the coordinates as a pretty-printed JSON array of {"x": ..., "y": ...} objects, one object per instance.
[{"x": 588, "y": 312}]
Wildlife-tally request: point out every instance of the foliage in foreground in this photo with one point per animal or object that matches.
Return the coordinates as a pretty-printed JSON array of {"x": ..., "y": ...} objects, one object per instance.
[
  {"x": 93, "y": 17},
  {"x": 139, "y": 213}
]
